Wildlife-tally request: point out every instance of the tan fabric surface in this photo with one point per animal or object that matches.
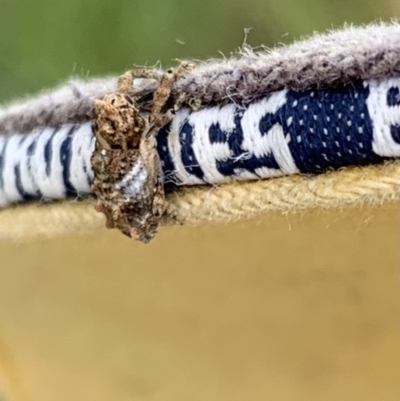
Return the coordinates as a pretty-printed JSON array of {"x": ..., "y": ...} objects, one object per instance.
[{"x": 302, "y": 307}]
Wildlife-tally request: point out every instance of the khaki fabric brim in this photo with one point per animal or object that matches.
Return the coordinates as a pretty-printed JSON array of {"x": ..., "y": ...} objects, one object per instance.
[{"x": 297, "y": 307}]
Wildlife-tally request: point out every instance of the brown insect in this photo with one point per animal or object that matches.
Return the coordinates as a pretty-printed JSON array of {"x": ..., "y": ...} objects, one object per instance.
[{"x": 128, "y": 180}]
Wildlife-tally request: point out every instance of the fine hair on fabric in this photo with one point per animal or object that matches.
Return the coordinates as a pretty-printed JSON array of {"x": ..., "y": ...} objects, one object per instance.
[{"x": 364, "y": 61}]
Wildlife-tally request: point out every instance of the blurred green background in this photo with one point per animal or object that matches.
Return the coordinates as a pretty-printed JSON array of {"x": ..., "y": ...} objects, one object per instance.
[{"x": 42, "y": 42}]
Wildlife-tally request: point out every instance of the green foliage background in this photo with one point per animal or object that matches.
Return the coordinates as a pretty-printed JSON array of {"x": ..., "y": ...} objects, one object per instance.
[{"x": 42, "y": 42}]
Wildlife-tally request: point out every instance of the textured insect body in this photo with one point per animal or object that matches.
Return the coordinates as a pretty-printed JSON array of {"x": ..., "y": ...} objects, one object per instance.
[{"x": 128, "y": 179}]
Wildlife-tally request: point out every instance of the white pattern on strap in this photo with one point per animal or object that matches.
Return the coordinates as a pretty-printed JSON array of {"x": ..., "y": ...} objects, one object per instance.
[{"x": 286, "y": 132}]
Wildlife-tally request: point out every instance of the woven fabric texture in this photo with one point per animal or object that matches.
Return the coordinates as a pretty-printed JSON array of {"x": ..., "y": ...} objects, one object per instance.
[
  {"x": 350, "y": 187},
  {"x": 286, "y": 132},
  {"x": 322, "y": 104}
]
